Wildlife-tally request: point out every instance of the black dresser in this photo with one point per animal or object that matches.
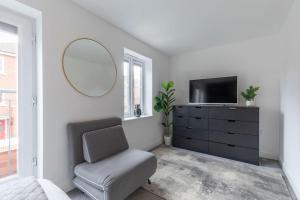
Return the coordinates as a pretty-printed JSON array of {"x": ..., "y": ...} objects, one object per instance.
[{"x": 226, "y": 131}]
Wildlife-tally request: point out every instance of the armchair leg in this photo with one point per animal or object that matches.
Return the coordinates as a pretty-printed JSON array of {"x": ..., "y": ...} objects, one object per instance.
[{"x": 149, "y": 182}]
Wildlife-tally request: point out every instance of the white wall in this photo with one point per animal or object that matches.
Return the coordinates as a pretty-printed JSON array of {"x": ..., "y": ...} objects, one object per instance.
[
  {"x": 63, "y": 22},
  {"x": 290, "y": 100},
  {"x": 273, "y": 63},
  {"x": 255, "y": 62}
]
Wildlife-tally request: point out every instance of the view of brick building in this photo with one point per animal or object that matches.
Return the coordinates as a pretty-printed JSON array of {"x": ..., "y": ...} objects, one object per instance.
[{"x": 8, "y": 111}]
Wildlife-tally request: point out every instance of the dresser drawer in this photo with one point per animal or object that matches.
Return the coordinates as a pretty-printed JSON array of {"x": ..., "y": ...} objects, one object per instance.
[
  {"x": 234, "y": 152},
  {"x": 191, "y": 144},
  {"x": 232, "y": 126},
  {"x": 198, "y": 122},
  {"x": 235, "y": 113},
  {"x": 194, "y": 133},
  {"x": 250, "y": 141},
  {"x": 180, "y": 110},
  {"x": 180, "y": 120},
  {"x": 198, "y": 111}
]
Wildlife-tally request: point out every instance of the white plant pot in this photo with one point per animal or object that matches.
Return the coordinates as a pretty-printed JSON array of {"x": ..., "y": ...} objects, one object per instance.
[
  {"x": 167, "y": 140},
  {"x": 250, "y": 103}
]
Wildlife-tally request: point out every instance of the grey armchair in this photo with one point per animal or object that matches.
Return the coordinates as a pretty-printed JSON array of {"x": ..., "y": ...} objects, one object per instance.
[{"x": 104, "y": 166}]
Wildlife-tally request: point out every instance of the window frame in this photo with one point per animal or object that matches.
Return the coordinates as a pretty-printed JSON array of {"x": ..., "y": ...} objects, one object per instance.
[
  {"x": 2, "y": 98},
  {"x": 132, "y": 60},
  {"x": 126, "y": 59}
]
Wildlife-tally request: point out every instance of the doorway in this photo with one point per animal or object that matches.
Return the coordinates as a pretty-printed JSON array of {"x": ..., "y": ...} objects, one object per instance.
[
  {"x": 8, "y": 100},
  {"x": 17, "y": 96}
]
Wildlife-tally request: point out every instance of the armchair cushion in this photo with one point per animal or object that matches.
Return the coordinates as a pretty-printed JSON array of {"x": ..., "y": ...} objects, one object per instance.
[
  {"x": 88, "y": 189},
  {"x": 103, "y": 143},
  {"x": 124, "y": 172}
]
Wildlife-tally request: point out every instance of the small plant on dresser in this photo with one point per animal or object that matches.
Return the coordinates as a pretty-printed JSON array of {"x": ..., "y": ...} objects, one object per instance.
[
  {"x": 250, "y": 94},
  {"x": 164, "y": 103}
]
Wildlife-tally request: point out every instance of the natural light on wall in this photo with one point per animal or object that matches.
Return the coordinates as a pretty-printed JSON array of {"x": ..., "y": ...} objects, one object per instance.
[{"x": 137, "y": 71}]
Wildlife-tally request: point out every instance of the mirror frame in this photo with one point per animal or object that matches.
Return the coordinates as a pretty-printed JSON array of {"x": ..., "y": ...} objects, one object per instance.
[{"x": 69, "y": 81}]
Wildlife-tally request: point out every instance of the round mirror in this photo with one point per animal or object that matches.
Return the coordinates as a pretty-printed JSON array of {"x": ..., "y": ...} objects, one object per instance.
[{"x": 89, "y": 67}]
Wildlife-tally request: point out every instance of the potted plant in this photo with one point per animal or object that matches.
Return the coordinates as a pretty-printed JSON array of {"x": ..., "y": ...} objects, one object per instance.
[
  {"x": 164, "y": 103},
  {"x": 249, "y": 95}
]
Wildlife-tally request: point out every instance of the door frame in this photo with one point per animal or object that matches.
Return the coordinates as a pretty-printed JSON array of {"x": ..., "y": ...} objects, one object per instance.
[{"x": 26, "y": 91}]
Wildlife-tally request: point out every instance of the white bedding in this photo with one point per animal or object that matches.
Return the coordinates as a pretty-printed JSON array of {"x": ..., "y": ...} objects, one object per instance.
[{"x": 52, "y": 191}]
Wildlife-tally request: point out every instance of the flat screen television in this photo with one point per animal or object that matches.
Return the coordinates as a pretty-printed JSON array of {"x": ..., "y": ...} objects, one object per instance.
[{"x": 214, "y": 90}]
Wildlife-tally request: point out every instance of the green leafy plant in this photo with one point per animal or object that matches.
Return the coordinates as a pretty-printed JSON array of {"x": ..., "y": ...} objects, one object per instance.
[
  {"x": 164, "y": 103},
  {"x": 250, "y": 93}
]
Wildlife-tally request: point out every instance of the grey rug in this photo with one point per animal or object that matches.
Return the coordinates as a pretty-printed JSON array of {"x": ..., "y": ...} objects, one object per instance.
[
  {"x": 140, "y": 194},
  {"x": 184, "y": 175}
]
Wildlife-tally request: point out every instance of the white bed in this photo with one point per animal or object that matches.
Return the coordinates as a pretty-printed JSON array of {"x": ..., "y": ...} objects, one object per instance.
[
  {"x": 31, "y": 189},
  {"x": 52, "y": 191}
]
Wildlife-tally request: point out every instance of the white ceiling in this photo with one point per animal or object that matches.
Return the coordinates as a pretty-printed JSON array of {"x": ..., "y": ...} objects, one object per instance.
[{"x": 177, "y": 26}]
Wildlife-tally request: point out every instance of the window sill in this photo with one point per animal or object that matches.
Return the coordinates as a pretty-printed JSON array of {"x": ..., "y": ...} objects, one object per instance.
[{"x": 137, "y": 118}]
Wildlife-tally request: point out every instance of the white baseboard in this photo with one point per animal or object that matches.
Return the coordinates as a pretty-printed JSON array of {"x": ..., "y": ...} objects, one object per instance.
[
  {"x": 268, "y": 155},
  {"x": 67, "y": 187},
  {"x": 153, "y": 146},
  {"x": 291, "y": 181}
]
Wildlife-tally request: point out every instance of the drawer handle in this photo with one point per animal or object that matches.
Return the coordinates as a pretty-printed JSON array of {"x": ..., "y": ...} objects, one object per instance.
[
  {"x": 230, "y": 133},
  {"x": 230, "y": 145},
  {"x": 231, "y": 121},
  {"x": 188, "y": 138},
  {"x": 179, "y": 106},
  {"x": 232, "y": 108},
  {"x": 198, "y": 107},
  {"x": 179, "y": 116},
  {"x": 198, "y": 117},
  {"x": 189, "y": 127}
]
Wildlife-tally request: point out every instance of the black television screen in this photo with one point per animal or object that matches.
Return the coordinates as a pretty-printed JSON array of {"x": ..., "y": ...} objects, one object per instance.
[{"x": 214, "y": 90}]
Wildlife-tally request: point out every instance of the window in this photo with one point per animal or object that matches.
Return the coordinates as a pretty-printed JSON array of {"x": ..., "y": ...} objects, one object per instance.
[
  {"x": 133, "y": 84},
  {"x": 1, "y": 64},
  {"x": 1, "y": 98}
]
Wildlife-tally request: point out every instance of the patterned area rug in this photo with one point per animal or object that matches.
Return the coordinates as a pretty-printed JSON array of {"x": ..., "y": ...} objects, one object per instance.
[{"x": 185, "y": 175}]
